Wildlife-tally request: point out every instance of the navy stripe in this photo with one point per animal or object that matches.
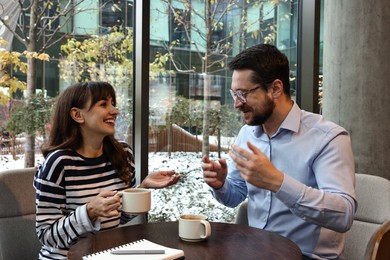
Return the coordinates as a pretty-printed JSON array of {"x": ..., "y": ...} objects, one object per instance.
[{"x": 65, "y": 182}]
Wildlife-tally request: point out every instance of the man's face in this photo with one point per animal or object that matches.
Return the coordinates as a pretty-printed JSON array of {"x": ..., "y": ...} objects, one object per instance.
[{"x": 255, "y": 104}]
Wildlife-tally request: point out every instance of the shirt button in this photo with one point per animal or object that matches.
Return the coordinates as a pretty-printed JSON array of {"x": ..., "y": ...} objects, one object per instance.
[{"x": 265, "y": 219}]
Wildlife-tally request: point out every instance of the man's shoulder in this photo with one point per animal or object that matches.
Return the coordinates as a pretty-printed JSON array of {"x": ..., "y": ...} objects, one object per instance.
[{"x": 317, "y": 122}]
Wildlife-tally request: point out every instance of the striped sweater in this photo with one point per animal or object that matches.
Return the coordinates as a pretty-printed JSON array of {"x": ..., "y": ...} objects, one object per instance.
[{"x": 64, "y": 184}]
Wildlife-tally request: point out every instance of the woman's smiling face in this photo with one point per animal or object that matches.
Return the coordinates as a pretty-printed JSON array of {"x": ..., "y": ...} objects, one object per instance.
[{"x": 99, "y": 119}]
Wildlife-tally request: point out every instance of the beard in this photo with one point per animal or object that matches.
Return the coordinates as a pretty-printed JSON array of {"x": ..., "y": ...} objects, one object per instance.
[{"x": 259, "y": 118}]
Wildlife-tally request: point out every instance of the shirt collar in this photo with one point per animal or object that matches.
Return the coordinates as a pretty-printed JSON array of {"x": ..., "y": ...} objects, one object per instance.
[{"x": 291, "y": 122}]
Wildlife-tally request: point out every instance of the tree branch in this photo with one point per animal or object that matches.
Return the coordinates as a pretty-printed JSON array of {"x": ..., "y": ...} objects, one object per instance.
[{"x": 174, "y": 63}]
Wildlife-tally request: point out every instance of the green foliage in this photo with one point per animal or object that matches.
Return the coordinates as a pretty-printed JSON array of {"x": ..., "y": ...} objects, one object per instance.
[
  {"x": 11, "y": 61},
  {"x": 188, "y": 113},
  {"x": 104, "y": 57},
  {"x": 157, "y": 67},
  {"x": 230, "y": 122},
  {"x": 31, "y": 117},
  {"x": 180, "y": 112}
]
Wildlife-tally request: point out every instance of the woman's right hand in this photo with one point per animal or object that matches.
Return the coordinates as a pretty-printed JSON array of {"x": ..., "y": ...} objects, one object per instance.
[{"x": 105, "y": 204}]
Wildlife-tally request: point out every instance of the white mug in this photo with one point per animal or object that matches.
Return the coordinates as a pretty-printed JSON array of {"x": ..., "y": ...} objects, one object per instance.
[
  {"x": 136, "y": 200},
  {"x": 194, "y": 228}
]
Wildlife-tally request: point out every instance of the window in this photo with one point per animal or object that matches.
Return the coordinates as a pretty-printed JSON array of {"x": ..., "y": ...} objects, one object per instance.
[
  {"x": 201, "y": 74},
  {"x": 116, "y": 13}
]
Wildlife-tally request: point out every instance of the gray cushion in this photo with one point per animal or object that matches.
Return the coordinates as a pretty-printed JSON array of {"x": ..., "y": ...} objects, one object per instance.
[
  {"x": 18, "y": 239},
  {"x": 372, "y": 218},
  {"x": 373, "y": 196},
  {"x": 242, "y": 214}
]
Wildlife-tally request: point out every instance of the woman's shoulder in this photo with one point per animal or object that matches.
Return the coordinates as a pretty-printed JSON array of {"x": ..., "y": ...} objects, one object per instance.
[
  {"x": 61, "y": 153},
  {"x": 55, "y": 163},
  {"x": 62, "y": 156}
]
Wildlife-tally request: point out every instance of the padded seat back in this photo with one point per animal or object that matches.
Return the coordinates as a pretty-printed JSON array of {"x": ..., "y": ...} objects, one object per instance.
[
  {"x": 372, "y": 218},
  {"x": 18, "y": 239}
]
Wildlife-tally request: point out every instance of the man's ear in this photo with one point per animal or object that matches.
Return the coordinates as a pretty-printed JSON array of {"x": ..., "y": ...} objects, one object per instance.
[
  {"x": 277, "y": 88},
  {"x": 76, "y": 115}
]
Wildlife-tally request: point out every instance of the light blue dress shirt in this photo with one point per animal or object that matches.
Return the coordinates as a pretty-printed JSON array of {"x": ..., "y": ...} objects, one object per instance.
[{"x": 316, "y": 202}]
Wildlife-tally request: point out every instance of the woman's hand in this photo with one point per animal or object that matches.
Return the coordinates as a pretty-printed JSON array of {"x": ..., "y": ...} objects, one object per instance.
[
  {"x": 105, "y": 204},
  {"x": 160, "y": 179}
]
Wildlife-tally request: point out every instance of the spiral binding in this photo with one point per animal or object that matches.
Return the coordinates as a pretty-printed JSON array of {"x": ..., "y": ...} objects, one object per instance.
[{"x": 115, "y": 248}]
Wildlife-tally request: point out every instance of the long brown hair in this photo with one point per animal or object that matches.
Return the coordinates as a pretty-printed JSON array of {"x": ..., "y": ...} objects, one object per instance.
[{"x": 66, "y": 133}]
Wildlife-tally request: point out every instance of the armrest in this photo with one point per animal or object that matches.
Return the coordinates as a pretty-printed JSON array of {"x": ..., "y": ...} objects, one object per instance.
[{"x": 379, "y": 243}]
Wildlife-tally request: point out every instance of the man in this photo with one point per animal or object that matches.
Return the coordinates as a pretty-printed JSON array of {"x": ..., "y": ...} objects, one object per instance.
[{"x": 295, "y": 168}]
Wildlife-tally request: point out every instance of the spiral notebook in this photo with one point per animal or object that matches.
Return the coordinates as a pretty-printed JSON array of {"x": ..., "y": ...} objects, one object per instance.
[{"x": 136, "y": 248}]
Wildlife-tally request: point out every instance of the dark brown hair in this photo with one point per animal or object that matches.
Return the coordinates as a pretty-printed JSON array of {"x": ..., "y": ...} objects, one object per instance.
[
  {"x": 66, "y": 134},
  {"x": 266, "y": 62}
]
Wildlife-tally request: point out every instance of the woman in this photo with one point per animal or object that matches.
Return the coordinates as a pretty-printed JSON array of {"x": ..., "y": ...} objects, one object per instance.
[{"x": 84, "y": 168}]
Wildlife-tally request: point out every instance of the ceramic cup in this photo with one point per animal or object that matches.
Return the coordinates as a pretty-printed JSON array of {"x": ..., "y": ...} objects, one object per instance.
[
  {"x": 194, "y": 228},
  {"x": 136, "y": 200}
]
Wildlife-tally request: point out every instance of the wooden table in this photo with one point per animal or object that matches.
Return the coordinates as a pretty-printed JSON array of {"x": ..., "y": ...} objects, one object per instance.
[{"x": 227, "y": 241}]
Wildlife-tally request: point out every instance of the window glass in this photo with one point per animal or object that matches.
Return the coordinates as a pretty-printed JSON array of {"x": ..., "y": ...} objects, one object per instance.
[
  {"x": 86, "y": 40},
  {"x": 198, "y": 54},
  {"x": 116, "y": 13},
  {"x": 191, "y": 110},
  {"x": 104, "y": 54},
  {"x": 191, "y": 42}
]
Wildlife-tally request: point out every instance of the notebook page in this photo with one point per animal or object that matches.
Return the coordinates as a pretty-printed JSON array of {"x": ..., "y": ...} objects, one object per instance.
[{"x": 143, "y": 244}]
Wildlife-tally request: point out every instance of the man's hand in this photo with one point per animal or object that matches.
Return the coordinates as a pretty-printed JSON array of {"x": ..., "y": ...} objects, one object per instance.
[
  {"x": 214, "y": 173},
  {"x": 256, "y": 168}
]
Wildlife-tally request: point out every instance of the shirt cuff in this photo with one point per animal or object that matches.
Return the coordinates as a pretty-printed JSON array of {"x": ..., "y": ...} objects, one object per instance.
[
  {"x": 221, "y": 191},
  {"x": 84, "y": 221},
  {"x": 290, "y": 192}
]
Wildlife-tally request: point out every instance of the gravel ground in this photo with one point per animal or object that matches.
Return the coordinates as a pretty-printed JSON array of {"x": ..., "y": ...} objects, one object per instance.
[{"x": 189, "y": 195}]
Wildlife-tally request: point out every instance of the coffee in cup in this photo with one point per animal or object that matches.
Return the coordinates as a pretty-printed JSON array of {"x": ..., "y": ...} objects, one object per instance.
[
  {"x": 136, "y": 200},
  {"x": 194, "y": 228}
]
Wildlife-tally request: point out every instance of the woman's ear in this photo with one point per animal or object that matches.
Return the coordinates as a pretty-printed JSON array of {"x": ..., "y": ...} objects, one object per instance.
[{"x": 76, "y": 115}]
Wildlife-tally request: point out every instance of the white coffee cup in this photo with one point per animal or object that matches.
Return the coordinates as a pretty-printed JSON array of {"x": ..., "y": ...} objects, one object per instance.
[
  {"x": 194, "y": 228},
  {"x": 136, "y": 200}
]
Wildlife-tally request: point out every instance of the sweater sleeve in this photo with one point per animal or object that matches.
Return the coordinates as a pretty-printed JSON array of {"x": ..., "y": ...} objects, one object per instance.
[{"x": 57, "y": 225}]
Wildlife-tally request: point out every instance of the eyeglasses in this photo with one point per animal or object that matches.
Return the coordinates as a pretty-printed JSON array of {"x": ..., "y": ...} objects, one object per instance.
[{"x": 241, "y": 95}]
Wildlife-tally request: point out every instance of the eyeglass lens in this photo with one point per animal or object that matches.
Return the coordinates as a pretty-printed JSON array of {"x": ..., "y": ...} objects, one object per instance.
[{"x": 239, "y": 95}]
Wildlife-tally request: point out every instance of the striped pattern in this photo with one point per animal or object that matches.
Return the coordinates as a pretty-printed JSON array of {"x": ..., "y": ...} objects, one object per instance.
[{"x": 64, "y": 184}]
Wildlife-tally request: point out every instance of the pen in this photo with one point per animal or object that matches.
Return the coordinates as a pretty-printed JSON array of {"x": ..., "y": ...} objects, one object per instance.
[{"x": 136, "y": 252}]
